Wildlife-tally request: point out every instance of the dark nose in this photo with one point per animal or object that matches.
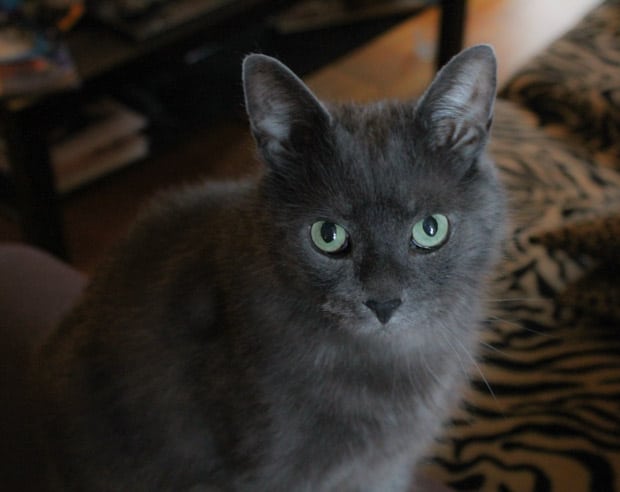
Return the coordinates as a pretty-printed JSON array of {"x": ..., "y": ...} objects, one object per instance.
[{"x": 384, "y": 309}]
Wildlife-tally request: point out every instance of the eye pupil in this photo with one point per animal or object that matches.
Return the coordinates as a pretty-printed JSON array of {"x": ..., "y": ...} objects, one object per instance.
[
  {"x": 430, "y": 226},
  {"x": 329, "y": 237},
  {"x": 328, "y": 232},
  {"x": 431, "y": 232}
]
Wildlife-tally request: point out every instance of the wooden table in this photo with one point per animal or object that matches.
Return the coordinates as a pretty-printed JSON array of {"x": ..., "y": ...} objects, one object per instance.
[{"x": 104, "y": 57}]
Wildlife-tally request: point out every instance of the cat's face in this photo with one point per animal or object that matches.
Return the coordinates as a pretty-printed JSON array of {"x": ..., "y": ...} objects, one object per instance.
[{"x": 386, "y": 216}]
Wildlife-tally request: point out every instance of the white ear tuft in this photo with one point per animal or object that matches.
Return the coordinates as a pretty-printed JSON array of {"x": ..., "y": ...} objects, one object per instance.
[
  {"x": 279, "y": 104},
  {"x": 457, "y": 108}
]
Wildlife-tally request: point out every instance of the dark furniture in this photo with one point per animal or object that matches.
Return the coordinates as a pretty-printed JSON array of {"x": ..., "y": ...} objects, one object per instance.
[{"x": 105, "y": 59}]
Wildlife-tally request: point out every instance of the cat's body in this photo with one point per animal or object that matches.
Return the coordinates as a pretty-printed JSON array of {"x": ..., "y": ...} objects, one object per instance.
[{"x": 228, "y": 346}]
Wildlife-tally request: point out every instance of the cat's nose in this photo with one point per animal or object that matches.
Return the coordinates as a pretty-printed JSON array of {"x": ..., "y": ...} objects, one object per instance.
[{"x": 383, "y": 309}]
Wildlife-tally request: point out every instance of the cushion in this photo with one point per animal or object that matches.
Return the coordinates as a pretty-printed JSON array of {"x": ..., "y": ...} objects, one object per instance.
[
  {"x": 36, "y": 289},
  {"x": 596, "y": 295},
  {"x": 574, "y": 85},
  {"x": 541, "y": 410}
]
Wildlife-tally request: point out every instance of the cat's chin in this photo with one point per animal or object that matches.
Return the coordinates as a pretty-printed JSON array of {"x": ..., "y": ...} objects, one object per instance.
[{"x": 401, "y": 333}]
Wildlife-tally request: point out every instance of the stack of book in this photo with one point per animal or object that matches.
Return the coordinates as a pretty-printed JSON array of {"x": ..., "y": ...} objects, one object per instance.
[
  {"x": 145, "y": 19},
  {"x": 31, "y": 63},
  {"x": 104, "y": 136}
]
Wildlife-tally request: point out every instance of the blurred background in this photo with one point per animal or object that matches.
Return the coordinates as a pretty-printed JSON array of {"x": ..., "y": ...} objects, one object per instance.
[{"x": 105, "y": 103}]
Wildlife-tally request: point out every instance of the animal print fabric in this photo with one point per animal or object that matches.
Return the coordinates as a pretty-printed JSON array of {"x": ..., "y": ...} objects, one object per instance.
[
  {"x": 574, "y": 85},
  {"x": 598, "y": 237},
  {"x": 596, "y": 295},
  {"x": 593, "y": 298},
  {"x": 543, "y": 409}
]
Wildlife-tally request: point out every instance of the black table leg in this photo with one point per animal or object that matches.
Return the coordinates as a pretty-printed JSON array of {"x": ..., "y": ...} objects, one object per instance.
[
  {"x": 451, "y": 30},
  {"x": 37, "y": 201}
]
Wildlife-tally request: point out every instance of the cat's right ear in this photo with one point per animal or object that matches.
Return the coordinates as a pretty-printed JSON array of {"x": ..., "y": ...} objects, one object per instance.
[
  {"x": 456, "y": 111},
  {"x": 285, "y": 117}
]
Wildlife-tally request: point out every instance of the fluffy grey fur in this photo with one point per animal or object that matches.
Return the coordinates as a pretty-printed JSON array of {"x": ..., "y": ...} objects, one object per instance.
[{"x": 221, "y": 350}]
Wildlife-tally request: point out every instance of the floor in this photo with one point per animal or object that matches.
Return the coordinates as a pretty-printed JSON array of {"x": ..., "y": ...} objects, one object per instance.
[{"x": 398, "y": 64}]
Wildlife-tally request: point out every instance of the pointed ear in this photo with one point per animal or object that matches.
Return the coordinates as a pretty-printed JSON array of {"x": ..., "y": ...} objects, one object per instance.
[
  {"x": 456, "y": 111},
  {"x": 284, "y": 115}
]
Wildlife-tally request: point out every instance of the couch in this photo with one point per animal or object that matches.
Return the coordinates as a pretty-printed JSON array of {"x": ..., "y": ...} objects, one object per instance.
[
  {"x": 542, "y": 412},
  {"x": 543, "y": 409}
]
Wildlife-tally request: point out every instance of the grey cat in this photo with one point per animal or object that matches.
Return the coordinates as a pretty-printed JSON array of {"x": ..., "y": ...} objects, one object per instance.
[{"x": 306, "y": 331}]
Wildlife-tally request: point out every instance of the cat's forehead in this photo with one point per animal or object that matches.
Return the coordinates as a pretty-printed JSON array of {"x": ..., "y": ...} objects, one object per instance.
[
  {"x": 374, "y": 139},
  {"x": 374, "y": 124},
  {"x": 377, "y": 161}
]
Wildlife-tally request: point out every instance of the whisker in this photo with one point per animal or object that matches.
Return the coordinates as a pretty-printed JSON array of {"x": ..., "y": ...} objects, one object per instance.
[
  {"x": 529, "y": 329},
  {"x": 432, "y": 374},
  {"x": 514, "y": 299},
  {"x": 493, "y": 347},
  {"x": 504, "y": 320},
  {"x": 456, "y": 352},
  {"x": 482, "y": 376},
  {"x": 521, "y": 326},
  {"x": 538, "y": 332}
]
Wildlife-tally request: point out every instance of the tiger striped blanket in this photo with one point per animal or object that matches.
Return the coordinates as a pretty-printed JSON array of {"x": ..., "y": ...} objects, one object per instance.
[{"x": 542, "y": 412}]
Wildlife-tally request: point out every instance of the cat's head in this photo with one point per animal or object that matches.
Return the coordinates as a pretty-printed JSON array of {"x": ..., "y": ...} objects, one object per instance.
[{"x": 386, "y": 216}]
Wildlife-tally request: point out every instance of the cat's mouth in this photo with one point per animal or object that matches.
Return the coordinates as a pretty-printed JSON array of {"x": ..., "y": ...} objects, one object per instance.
[
  {"x": 401, "y": 331},
  {"x": 362, "y": 318}
]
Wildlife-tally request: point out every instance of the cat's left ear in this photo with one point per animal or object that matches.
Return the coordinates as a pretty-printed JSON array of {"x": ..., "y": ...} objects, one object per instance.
[
  {"x": 285, "y": 117},
  {"x": 456, "y": 111}
]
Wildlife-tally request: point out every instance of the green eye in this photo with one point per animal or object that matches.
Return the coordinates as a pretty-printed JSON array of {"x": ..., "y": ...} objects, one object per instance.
[
  {"x": 329, "y": 237},
  {"x": 431, "y": 232}
]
